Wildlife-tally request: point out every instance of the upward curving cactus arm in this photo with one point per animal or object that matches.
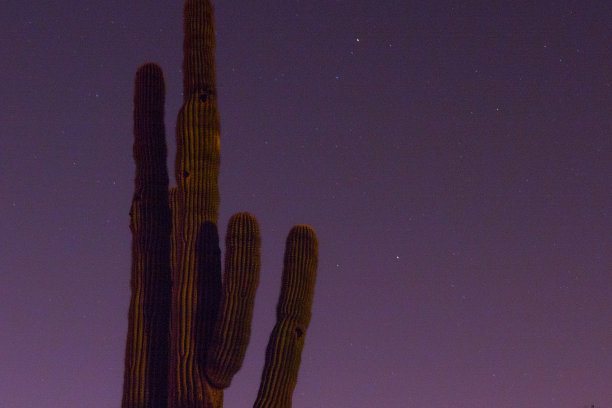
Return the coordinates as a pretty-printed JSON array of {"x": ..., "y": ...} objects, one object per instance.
[
  {"x": 284, "y": 351},
  {"x": 188, "y": 332},
  {"x": 240, "y": 280}
]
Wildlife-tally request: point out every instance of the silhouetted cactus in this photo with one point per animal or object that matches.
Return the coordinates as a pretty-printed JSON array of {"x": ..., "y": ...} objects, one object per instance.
[
  {"x": 146, "y": 357},
  {"x": 188, "y": 331}
]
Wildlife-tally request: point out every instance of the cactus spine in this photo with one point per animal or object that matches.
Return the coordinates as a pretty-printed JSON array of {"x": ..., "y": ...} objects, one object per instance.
[{"x": 188, "y": 331}]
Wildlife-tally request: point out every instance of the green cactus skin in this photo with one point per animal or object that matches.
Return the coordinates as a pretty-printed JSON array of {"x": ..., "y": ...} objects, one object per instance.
[
  {"x": 284, "y": 351},
  {"x": 146, "y": 362},
  {"x": 198, "y": 49},
  {"x": 188, "y": 331},
  {"x": 196, "y": 278},
  {"x": 241, "y": 278}
]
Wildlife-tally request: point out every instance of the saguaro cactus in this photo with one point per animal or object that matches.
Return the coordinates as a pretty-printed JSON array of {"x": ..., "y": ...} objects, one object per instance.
[{"x": 188, "y": 328}]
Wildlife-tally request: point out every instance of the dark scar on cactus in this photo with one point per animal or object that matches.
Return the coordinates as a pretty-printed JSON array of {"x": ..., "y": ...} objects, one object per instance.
[{"x": 189, "y": 327}]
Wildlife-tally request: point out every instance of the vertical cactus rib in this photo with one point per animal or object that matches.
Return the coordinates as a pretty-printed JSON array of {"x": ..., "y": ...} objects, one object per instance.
[
  {"x": 175, "y": 262},
  {"x": 240, "y": 280},
  {"x": 283, "y": 354},
  {"x": 146, "y": 362}
]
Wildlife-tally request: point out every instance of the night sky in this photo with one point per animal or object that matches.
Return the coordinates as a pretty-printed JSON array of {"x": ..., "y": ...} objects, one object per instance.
[{"x": 454, "y": 157}]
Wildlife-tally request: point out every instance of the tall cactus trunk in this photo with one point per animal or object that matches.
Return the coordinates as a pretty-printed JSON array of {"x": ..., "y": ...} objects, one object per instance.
[{"x": 196, "y": 277}]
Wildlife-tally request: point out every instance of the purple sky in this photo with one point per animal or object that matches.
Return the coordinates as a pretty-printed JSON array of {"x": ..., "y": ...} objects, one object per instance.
[{"x": 454, "y": 157}]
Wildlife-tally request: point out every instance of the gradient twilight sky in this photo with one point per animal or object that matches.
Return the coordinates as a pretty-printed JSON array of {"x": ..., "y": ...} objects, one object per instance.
[{"x": 454, "y": 157}]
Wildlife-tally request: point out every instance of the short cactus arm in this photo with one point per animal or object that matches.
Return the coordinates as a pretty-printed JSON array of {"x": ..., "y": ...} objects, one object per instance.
[
  {"x": 146, "y": 363},
  {"x": 284, "y": 351},
  {"x": 240, "y": 281}
]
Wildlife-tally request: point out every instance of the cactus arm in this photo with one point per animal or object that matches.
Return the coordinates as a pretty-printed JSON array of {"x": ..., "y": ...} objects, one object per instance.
[
  {"x": 146, "y": 367},
  {"x": 240, "y": 281},
  {"x": 283, "y": 354}
]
